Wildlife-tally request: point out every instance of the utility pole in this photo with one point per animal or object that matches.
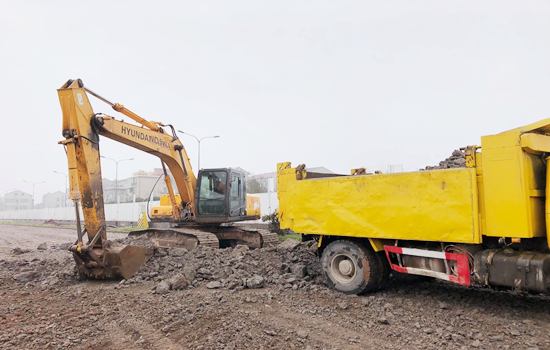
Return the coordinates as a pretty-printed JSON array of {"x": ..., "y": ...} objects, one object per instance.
[
  {"x": 199, "y": 141},
  {"x": 33, "y": 184},
  {"x": 116, "y": 183}
]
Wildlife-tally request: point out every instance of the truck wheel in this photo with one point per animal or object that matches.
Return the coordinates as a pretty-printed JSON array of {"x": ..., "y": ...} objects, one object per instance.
[{"x": 351, "y": 268}]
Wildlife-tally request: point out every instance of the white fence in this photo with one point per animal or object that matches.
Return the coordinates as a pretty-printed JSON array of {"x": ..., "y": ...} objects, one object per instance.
[{"x": 128, "y": 212}]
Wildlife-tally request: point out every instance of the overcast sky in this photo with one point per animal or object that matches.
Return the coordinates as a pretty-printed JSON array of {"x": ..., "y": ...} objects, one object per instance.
[{"x": 339, "y": 84}]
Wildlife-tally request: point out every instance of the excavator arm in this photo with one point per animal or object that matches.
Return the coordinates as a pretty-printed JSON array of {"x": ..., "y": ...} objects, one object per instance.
[
  {"x": 82, "y": 127},
  {"x": 167, "y": 147}
]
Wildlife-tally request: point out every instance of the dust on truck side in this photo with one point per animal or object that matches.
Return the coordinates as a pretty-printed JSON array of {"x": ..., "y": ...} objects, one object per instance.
[{"x": 484, "y": 224}]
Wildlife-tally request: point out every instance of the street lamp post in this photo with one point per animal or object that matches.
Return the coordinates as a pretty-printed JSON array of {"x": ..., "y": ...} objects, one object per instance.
[
  {"x": 66, "y": 181},
  {"x": 33, "y": 184},
  {"x": 116, "y": 184},
  {"x": 199, "y": 142}
]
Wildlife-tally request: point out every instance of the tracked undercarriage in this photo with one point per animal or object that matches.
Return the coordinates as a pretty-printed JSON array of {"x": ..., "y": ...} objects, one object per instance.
[{"x": 190, "y": 235}]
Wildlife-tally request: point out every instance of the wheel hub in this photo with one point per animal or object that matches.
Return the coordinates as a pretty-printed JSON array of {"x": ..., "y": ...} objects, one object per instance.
[
  {"x": 343, "y": 268},
  {"x": 346, "y": 267}
]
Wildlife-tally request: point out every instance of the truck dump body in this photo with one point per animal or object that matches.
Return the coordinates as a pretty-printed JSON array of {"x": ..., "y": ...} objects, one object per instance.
[
  {"x": 486, "y": 223},
  {"x": 437, "y": 205}
]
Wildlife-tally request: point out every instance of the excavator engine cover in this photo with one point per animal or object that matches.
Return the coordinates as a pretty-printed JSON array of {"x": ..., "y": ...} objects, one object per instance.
[{"x": 113, "y": 261}]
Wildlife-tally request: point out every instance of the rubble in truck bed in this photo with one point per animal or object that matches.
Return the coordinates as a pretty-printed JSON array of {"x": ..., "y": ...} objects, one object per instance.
[{"x": 456, "y": 160}]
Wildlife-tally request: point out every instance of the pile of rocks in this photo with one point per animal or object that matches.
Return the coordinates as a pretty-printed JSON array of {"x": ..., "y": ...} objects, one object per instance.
[
  {"x": 54, "y": 268},
  {"x": 456, "y": 160},
  {"x": 290, "y": 265}
]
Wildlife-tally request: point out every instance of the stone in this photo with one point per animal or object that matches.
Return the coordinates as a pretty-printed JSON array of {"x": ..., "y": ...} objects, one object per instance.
[
  {"x": 214, "y": 285},
  {"x": 178, "y": 282},
  {"x": 239, "y": 250},
  {"x": 177, "y": 251},
  {"x": 476, "y": 344},
  {"x": 302, "y": 334},
  {"x": 255, "y": 282},
  {"x": 140, "y": 341},
  {"x": 291, "y": 280},
  {"x": 25, "y": 277},
  {"x": 232, "y": 284},
  {"x": 189, "y": 272},
  {"x": 64, "y": 246},
  {"x": 42, "y": 246},
  {"x": 289, "y": 244},
  {"x": 18, "y": 251},
  {"x": 162, "y": 288},
  {"x": 299, "y": 270},
  {"x": 383, "y": 320},
  {"x": 343, "y": 305}
]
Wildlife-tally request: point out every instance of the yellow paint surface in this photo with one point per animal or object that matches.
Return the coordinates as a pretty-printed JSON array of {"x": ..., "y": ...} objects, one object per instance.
[
  {"x": 514, "y": 181},
  {"x": 438, "y": 205},
  {"x": 253, "y": 205}
]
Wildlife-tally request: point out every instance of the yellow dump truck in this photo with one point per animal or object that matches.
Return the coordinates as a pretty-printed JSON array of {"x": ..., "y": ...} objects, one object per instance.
[{"x": 485, "y": 223}]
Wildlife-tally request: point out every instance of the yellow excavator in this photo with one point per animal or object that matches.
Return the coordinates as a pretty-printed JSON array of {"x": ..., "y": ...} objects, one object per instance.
[{"x": 202, "y": 212}]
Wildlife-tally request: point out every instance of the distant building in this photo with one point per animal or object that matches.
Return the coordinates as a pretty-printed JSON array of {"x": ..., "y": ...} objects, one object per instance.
[
  {"x": 17, "y": 200},
  {"x": 246, "y": 173},
  {"x": 139, "y": 185},
  {"x": 54, "y": 200},
  {"x": 2, "y": 203}
]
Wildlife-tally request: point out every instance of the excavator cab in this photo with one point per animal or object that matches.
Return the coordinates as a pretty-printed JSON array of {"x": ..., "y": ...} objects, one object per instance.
[{"x": 221, "y": 197}]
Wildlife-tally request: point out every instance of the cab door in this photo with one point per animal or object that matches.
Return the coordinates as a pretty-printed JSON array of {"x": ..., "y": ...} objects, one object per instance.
[{"x": 237, "y": 205}]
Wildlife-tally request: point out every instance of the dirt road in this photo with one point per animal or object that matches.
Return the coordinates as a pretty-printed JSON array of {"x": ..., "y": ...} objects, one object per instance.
[
  {"x": 29, "y": 237},
  {"x": 43, "y": 305}
]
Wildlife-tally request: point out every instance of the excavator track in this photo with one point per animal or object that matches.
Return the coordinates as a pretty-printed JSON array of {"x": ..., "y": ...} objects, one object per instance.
[
  {"x": 269, "y": 238},
  {"x": 191, "y": 235},
  {"x": 181, "y": 237}
]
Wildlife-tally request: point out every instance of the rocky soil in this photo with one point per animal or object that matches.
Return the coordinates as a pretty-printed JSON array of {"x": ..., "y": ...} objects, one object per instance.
[
  {"x": 235, "y": 298},
  {"x": 456, "y": 160}
]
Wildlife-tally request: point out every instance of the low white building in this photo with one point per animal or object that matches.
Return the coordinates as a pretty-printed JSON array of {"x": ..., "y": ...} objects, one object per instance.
[
  {"x": 54, "y": 200},
  {"x": 139, "y": 185},
  {"x": 17, "y": 200}
]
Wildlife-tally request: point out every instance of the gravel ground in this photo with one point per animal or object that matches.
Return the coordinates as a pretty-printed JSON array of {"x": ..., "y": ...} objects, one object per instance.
[{"x": 271, "y": 298}]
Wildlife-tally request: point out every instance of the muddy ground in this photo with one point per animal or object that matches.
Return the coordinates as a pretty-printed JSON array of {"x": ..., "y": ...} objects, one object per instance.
[{"x": 272, "y": 298}]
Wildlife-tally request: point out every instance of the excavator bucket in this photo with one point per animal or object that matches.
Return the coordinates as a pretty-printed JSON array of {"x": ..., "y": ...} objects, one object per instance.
[{"x": 112, "y": 261}]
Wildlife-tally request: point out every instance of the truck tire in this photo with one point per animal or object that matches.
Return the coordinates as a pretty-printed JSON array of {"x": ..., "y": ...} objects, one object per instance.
[{"x": 351, "y": 267}]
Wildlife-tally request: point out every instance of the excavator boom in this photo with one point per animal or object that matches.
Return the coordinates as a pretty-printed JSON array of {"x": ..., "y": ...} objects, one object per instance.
[
  {"x": 98, "y": 257},
  {"x": 222, "y": 202}
]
